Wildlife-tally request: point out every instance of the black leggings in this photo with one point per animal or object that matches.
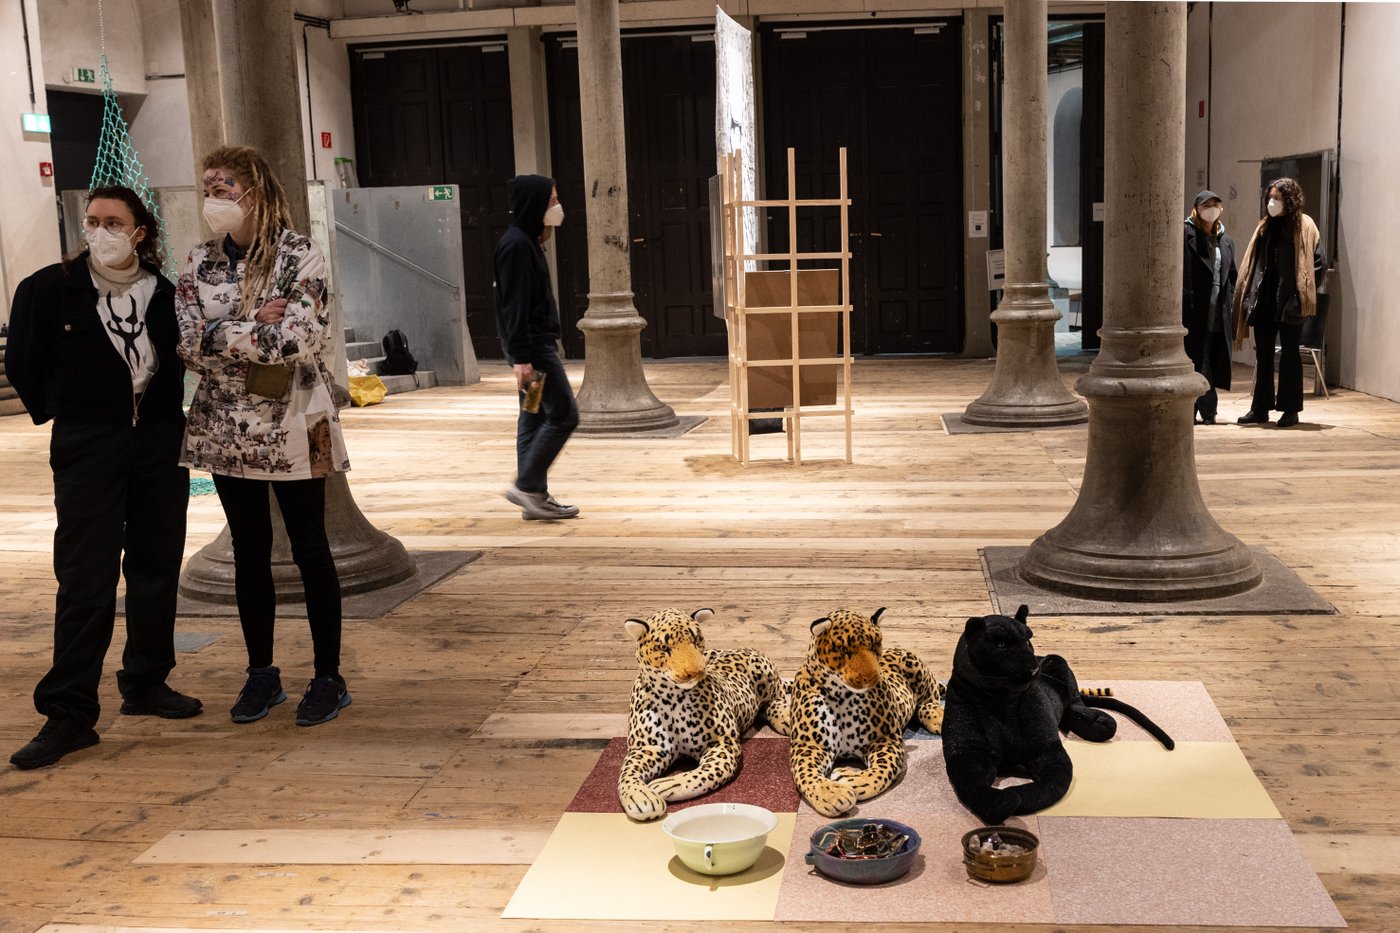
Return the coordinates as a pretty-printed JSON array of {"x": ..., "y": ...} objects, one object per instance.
[{"x": 302, "y": 503}]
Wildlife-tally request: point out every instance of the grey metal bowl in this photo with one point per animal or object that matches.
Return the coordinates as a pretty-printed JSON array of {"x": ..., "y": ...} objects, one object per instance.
[{"x": 864, "y": 871}]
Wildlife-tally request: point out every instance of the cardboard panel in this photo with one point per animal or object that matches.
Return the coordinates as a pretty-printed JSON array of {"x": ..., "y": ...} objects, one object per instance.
[{"x": 770, "y": 336}]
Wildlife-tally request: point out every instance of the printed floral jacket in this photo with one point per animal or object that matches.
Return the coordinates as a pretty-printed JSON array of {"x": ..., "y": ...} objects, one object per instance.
[{"x": 231, "y": 431}]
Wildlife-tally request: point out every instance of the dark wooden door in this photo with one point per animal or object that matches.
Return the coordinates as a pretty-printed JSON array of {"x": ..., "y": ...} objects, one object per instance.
[
  {"x": 669, "y": 100},
  {"x": 441, "y": 115},
  {"x": 1091, "y": 171},
  {"x": 893, "y": 97}
]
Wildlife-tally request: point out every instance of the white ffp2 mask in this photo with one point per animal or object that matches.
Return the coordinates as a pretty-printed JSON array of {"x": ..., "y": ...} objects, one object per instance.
[
  {"x": 110, "y": 248},
  {"x": 1210, "y": 214},
  {"x": 1275, "y": 207},
  {"x": 554, "y": 217},
  {"x": 223, "y": 216}
]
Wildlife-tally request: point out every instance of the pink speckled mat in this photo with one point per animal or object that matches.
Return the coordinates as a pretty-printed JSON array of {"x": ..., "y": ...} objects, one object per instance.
[{"x": 1094, "y": 869}]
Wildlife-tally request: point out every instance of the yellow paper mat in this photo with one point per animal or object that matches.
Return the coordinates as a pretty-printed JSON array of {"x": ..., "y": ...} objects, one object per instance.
[
  {"x": 604, "y": 865},
  {"x": 1198, "y": 780}
]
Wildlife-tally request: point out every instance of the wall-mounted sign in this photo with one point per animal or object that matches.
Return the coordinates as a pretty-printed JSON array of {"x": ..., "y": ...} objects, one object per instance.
[
  {"x": 996, "y": 270},
  {"x": 1098, "y": 212},
  {"x": 439, "y": 193},
  {"x": 976, "y": 225},
  {"x": 325, "y": 140},
  {"x": 45, "y": 169},
  {"x": 35, "y": 123},
  {"x": 84, "y": 76}
]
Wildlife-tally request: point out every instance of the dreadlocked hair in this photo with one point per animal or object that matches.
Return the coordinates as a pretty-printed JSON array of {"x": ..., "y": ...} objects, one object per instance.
[{"x": 271, "y": 215}]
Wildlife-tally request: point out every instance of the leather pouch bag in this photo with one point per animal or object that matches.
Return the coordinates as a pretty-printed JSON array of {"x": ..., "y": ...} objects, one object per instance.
[{"x": 269, "y": 380}]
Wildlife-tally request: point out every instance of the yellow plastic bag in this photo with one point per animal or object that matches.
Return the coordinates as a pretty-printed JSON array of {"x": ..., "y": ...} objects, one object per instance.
[{"x": 366, "y": 390}]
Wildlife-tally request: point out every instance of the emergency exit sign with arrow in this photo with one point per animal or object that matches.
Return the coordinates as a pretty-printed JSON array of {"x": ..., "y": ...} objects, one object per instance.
[{"x": 440, "y": 193}]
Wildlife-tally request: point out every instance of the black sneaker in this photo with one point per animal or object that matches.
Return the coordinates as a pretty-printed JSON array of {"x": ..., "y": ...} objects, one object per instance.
[
  {"x": 163, "y": 701},
  {"x": 325, "y": 698},
  {"x": 57, "y": 738},
  {"x": 262, "y": 692}
]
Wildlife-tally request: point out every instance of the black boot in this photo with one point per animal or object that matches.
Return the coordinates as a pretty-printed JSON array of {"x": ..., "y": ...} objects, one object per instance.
[
  {"x": 57, "y": 738},
  {"x": 1252, "y": 417}
]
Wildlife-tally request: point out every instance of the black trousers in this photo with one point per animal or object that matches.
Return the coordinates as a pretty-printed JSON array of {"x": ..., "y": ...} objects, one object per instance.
[
  {"x": 120, "y": 495},
  {"x": 302, "y": 503},
  {"x": 1290, "y": 366},
  {"x": 539, "y": 436}
]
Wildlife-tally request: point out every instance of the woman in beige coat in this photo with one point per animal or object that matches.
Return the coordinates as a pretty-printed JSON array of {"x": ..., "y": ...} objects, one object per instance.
[{"x": 1277, "y": 289}]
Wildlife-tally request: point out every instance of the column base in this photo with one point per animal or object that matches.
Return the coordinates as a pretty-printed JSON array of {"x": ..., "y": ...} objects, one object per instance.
[
  {"x": 1026, "y": 391},
  {"x": 1204, "y": 572},
  {"x": 366, "y": 558},
  {"x": 614, "y": 397}
]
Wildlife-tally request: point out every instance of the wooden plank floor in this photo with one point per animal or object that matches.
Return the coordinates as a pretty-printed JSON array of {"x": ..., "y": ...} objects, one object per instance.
[{"x": 479, "y": 705}]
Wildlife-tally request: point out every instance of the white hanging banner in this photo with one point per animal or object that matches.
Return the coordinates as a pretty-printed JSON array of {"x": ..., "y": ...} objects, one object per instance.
[{"x": 735, "y": 117}]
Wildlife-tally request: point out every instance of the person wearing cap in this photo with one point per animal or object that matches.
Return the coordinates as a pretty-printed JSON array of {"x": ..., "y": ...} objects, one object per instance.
[
  {"x": 1207, "y": 287},
  {"x": 1277, "y": 288}
]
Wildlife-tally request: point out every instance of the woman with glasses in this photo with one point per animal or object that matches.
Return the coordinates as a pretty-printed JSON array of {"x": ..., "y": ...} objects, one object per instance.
[
  {"x": 254, "y": 325},
  {"x": 92, "y": 348}
]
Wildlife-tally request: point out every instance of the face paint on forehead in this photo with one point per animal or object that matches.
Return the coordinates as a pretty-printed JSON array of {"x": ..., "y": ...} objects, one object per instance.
[{"x": 214, "y": 178}]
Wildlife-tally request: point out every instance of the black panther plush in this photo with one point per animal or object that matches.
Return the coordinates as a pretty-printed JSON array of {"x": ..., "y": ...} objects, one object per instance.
[{"x": 1004, "y": 711}]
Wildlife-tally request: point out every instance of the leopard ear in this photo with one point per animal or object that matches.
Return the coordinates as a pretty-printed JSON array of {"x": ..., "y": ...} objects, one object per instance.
[
  {"x": 876, "y": 617},
  {"x": 636, "y": 628},
  {"x": 701, "y": 615},
  {"x": 1022, "y": 613},
  {"x": 820, "y": 625},
  {"x": 975, "y": 626}
]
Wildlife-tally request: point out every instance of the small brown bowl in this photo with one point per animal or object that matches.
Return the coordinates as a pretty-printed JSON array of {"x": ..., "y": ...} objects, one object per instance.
[{"x": 1000, "y": 869}]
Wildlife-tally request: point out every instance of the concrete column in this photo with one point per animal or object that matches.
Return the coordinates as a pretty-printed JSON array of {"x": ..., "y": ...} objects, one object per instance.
[
  {"x": 241, "y": 75},
  {"x": 614, "y": 397},
  {"x": 1140, "y": 530},
  {"x": 529, "y": 100},
  {"x": 977, "y": 193},
  {"x": 1026, "y": 390},
  {"x": 241, "y": 71}
]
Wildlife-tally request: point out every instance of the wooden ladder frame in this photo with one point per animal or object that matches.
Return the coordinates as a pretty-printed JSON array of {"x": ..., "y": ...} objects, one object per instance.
[{"x": 736, "y": 309}]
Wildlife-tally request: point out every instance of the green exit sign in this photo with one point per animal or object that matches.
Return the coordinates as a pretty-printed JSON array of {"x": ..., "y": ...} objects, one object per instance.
[
  {"x": 85, "y": 75},
  {"x": 440, "y": 193}
]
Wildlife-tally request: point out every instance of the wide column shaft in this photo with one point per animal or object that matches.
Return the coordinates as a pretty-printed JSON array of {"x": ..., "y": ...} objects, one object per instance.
[
  {"x": 1026, "y": 390},
  {"x": 240, "y": 59},
  {"x": 1140, "y": 529},
  {"x": 614, "y": 397}
]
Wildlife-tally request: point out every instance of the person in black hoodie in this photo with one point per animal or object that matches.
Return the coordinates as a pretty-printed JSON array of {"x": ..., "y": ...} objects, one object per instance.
[
  {"x": 527, "y": 319},
  {"x": 92, "y": 348},
  {"x": 1207, "y": 293}
]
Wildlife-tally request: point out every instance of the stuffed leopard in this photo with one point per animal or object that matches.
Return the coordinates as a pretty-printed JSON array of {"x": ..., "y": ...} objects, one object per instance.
[
  {"x": 692, "y": 702},
  {"x": 851, "y": 699}
]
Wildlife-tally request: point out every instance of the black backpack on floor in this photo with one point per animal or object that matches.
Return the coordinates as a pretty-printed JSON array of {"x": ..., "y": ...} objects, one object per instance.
[{"x": 397, "y": 360}]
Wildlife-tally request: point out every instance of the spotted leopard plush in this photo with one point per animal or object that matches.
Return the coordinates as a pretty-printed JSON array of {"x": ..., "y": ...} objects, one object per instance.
[
  {"x": 852, "y": 699},
  {"x": 692, "y": 702}
]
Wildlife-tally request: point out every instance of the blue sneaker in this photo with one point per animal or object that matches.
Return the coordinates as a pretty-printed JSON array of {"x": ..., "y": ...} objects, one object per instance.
[
  {"x": 325, "y": 698},
  {"x": 262, "y": 692}
]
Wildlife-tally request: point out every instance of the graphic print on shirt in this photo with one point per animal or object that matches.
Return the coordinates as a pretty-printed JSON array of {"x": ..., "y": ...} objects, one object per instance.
[{"x": 129, "y": 330}]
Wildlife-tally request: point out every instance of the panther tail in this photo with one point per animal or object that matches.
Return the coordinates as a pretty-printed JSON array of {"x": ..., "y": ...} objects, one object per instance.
[{"x": 1133, "y": 713}]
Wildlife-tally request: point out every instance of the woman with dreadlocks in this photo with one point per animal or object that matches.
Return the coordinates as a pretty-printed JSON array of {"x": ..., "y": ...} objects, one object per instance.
[
  {"x": 92, "y": 348},
  {"x": 1277, "y": 288},
  {"x": 254, "y": 325}
]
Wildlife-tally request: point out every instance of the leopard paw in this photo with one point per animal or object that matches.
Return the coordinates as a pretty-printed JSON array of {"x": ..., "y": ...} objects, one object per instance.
[
  {"x": 931, "y": 715},
  {"x": 832, "y": 798},
  {"x": 845, "y": 773},
  {"x": 671, "y": 787},
  {"x": 641, "y": 803}
]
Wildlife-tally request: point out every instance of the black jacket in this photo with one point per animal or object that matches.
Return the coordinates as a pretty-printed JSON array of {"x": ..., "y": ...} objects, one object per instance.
[
  {"x": 62, "y": 363},
  {"x": 1197, "y": 267},
  {"x": 527, "y": 317}
]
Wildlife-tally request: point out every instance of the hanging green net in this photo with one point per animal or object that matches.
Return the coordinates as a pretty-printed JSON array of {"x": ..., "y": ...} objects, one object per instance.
[{"x": 117, "y": 162}]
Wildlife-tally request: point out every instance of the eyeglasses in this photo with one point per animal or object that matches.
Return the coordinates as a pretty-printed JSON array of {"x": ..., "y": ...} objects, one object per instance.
[
  {"x": 111, "y": 224},
  {"x": 872, "y": 840}
]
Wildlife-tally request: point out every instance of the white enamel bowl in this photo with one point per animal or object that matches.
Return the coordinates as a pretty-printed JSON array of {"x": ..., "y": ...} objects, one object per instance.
[{"x": 720, "y": 838}]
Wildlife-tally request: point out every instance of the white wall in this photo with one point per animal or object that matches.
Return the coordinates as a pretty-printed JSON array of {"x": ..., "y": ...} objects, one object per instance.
[
  {"x": 1367, "y": 334},
  {"x": 1198, "y": 29},
  {"x": 28, "y": 216},
  {"x": 1275, "y": 94},
  {"x": 331, "y": 109},
  {"x": 72, "y": 39}
]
